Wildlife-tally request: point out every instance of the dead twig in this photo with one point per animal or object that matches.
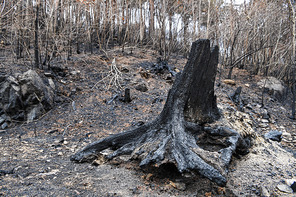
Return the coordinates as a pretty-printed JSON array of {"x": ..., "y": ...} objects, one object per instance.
[{"x": 114, "y": 76}]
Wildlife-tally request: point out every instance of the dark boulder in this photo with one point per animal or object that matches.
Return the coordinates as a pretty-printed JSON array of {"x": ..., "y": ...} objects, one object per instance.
[{"x": 24, "y": 97}]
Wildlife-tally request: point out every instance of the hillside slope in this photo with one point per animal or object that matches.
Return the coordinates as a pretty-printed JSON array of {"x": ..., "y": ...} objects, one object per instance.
[{"x": 88, "y": 107}]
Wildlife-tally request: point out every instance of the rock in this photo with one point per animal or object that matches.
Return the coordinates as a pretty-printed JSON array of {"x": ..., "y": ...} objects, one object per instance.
[
  {"x": 10, "y": 97},
  {"x": 48, "y": 74},
  {"x": 264, "y": 114},
  {"x": 287, "y": 135},
  {"x": 263, "y": 125},
  {"x": 142, "y": 87},
  {"x": 149, "y": 176},
  {"x": 34, "y": 90},
  {"x": 273, "y": 86},
  {"x": 290, "y": 181},
  {"x": 51, "y": 83},
  {"x": 249, "y": 106},
  {"x": 75, "y": 75},
  {"x": 293, "y": 186},
  {"x": 4, "y": 125},
  {"x": 178, "y": 185},
  {"x": 274, "y": 135},
  {"x": 264, "y": 192},
  {"x": 160, "y": 66},
  {"x": 52, "y": 131},
  {"x": 35, "y": 112},
  {"x": 24, "y": 97},
  {"x": 2, "y": 118},
  {"x": 221, "y": 191},
  {"x": 285, "y": 188},
  {"x": 136, "y": 191},
  {"x": 75, "y": 72},
  {"x": 229, "y": 82}
]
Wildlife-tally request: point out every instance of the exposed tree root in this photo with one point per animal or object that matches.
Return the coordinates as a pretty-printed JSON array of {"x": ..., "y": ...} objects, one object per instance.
[{"x": 176, "y": 144}]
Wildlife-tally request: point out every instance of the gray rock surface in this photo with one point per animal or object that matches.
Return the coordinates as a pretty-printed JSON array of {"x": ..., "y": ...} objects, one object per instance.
[
  {"x": 24, "y": 97},
  {"x": 274, "y": 135},
  {"x": 284, "y": 188},
  {"x": 273, "y": 86}
]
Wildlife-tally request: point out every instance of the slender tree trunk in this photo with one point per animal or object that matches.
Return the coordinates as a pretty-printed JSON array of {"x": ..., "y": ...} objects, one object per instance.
[
  {"x": 208, "y": 19},
  {"x": 199, "y": 19},
  {"x": 78, "y": 50},
  {"x": 58, "y": 17},
  {"x": 151, "y": 21},
  {"x": 89, "y": 21},
  {"x": 20, "y": 32},
  {"x": 141, "y": 23},
  {"x": 194, "y": 18},
  {"x": 70, "y": 22},
  {"x": 36, "y": 43},
  {"x": 185, "y": 32},
  {"x": 170, "y": 46}
]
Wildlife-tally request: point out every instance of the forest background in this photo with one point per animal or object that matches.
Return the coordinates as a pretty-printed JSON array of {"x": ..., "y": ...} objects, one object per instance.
[{"x": 257, "y": 35}]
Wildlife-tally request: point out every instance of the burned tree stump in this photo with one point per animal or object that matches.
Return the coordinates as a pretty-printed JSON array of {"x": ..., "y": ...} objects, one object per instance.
[
  {"x": 178, "y": 134},
  {"x": 127, "y": 95},
  {"x": 236, "y": 98}
]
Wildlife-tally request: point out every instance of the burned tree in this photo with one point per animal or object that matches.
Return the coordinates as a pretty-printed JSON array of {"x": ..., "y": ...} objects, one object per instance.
[{"x": 179, "y": 135}]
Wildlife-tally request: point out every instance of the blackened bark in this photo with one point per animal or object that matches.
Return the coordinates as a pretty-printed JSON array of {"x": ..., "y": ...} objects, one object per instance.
[
  {"x": 201, "y": 106},
  {"x": 177, "y": 135},
  {"x": 127, "y": 95}
]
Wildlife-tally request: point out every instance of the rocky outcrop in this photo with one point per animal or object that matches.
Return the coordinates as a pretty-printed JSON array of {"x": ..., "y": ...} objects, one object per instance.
[
  {"x": 24, "y": 97},
  {"x": 274, "y": 87}
]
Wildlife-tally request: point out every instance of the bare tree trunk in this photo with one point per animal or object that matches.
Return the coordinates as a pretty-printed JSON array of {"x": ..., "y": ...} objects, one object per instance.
[
  {"x": 193, "y": 3},
  {"x": 126, "y": 24},
  {"x": 36, "y": 43},
  {"x": 89, "y": 21},
  {"x": 177, "y": 135},
  {"x": 20, "y": 32},
  {"x": 208, "y": 19},
  {"x": 70, "y": 22},
  {"x": 141, "y": 23},
  {"x": 151, "y": 21},
  {"x": 199, "y": 19},
  {"x": 170, "y": 46},
  {"x": 185, "y": 32},
  {"x": 58, "y": 17},
  {"x": 78, "y": 51}
]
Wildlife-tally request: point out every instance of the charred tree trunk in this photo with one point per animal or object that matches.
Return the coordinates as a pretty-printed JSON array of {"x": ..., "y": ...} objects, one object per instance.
[{"x": 178, "y": 134}]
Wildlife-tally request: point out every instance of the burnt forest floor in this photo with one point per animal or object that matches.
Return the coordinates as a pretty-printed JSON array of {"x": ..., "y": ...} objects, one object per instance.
[{"x": 89, "y": 107}]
